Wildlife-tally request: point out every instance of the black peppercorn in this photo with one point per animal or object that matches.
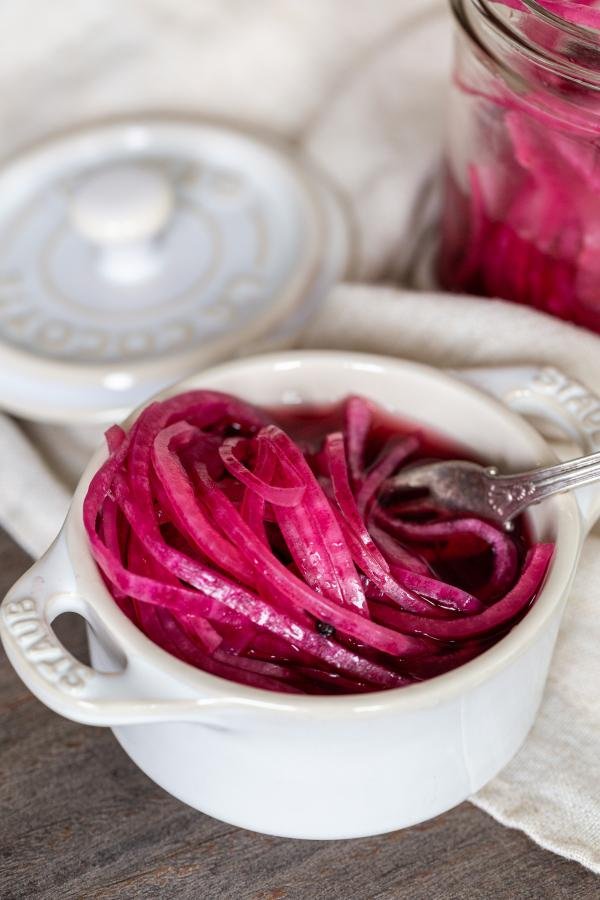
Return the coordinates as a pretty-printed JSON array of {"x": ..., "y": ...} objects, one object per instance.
[{"x": 325, "y": 628}]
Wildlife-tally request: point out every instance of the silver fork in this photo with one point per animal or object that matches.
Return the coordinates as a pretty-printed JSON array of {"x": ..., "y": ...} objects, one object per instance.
[{"x": 468, "y": 487}]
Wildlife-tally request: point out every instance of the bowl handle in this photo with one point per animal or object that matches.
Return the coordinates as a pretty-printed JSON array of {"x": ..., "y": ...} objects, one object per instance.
[
  {"x": 547, "y": 393},
  {"x": 66, "y": 685}
]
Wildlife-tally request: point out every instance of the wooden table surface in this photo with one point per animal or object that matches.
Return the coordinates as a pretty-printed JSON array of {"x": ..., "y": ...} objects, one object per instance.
[{"x": 78, "y": 819}]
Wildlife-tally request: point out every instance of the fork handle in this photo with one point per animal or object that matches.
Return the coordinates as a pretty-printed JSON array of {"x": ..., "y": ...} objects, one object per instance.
[
  {"x": 509, "y": 495},
  {"x": 547, "y": 393}
]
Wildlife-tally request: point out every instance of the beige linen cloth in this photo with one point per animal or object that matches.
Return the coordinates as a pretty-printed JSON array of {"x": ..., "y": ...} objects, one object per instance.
[{"x": 360, "y": 87}]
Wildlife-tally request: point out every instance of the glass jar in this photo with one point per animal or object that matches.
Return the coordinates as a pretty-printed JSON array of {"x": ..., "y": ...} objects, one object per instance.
[{"x": 521, "y": 215}]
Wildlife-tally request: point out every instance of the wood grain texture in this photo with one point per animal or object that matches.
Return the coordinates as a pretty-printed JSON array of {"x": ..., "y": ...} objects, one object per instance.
[{"x": 79, "y": 820}]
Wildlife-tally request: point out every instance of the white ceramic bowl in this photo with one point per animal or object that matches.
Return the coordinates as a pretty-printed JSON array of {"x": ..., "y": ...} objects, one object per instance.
[{"x": 318, "y": 767}]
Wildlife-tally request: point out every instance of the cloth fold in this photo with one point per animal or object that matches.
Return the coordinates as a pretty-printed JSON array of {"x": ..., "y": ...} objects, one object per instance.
[{"x": 360, "y": 88}]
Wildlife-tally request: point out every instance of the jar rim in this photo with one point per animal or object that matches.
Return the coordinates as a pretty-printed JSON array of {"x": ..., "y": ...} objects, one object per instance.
[
  {"x": 506, "y": 25},
  {"x": 558, "y": 22}
]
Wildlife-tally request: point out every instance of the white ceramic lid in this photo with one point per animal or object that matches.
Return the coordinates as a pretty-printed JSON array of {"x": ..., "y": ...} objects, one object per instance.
[{"x": 134, "y": 253}]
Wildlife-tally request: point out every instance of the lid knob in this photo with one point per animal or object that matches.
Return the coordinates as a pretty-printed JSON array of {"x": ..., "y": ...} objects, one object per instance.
[{"x": 122, "y": 210}]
